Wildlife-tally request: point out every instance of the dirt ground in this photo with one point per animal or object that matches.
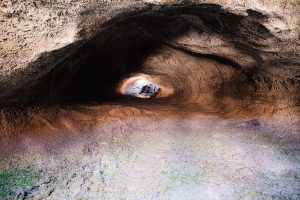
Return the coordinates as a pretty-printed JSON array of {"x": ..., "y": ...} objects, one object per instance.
[{"x": 150, "y": 152}]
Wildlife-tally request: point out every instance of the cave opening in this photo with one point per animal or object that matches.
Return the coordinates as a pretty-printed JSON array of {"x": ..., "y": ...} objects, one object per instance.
[
  {"x": 199, "y": 56},
  {"x": 210, "y": 51},
  {"x": 157, "y": 103}
]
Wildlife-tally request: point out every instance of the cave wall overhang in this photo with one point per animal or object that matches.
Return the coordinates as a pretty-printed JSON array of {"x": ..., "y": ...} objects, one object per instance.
[{"x": 257, "y": 40}]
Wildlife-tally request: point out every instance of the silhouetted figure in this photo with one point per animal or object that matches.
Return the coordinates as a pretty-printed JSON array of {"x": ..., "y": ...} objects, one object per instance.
[{"x": 146, "y": 89}]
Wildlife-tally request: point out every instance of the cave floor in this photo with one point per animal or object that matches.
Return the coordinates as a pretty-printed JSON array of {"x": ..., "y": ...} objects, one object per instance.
[{"x": 135, "y": 153}]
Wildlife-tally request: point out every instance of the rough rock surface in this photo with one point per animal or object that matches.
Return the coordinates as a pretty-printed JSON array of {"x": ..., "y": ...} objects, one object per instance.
[
  {"x": 229, "y": 128},
  {"x": 124, "y": 152},
  {"x": 30, "y": 29}
]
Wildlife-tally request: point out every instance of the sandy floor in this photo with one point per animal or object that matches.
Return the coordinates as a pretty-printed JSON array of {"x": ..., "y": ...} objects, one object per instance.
[{"x": 131, "y": 153}]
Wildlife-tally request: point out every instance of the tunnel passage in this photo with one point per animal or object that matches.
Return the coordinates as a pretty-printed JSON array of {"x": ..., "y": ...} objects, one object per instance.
[
  {"x": 182, "y": 90},
  {"x": 194, "y": 54},
  {"x": 139, "y": 86}
]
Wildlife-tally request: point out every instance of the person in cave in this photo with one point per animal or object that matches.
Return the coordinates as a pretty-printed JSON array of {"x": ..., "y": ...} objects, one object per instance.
[
  {"x": 146, "y": 89},
  {"x": 149, "y": 90}
]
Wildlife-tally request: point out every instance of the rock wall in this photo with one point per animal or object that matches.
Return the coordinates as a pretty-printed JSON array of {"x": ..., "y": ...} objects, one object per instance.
[{"x": 216, "y": 54}]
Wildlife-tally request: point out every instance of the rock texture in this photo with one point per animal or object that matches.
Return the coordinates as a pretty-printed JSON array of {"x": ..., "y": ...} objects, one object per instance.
[
  {"x": 36, "y": 36},
  {"x": 116, "y": 152},
  {"x": 224, "y": 123}
]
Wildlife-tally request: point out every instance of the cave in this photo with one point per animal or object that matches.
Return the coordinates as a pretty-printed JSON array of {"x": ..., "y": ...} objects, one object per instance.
[{"x": 181, "y": 100}]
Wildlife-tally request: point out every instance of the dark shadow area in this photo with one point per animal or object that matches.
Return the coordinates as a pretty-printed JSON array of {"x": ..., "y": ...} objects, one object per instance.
[{"x": 92, "y": 72}]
